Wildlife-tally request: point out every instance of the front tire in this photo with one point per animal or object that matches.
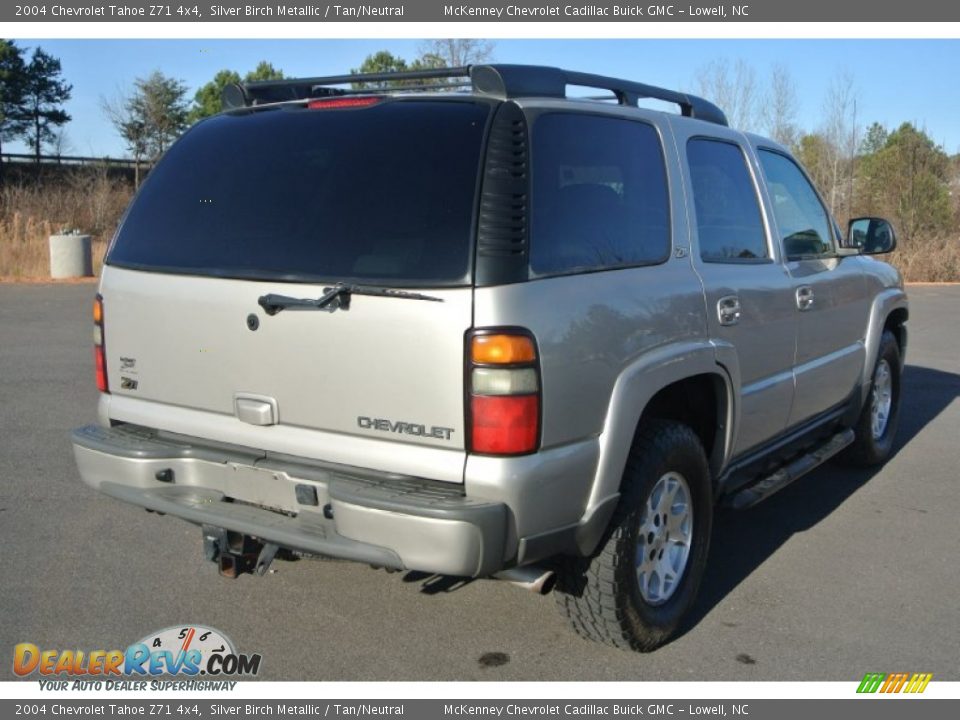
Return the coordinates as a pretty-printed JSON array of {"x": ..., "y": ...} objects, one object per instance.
[
  {"x": 636, "y": 588},
  {"x": 877, "y": 426}
]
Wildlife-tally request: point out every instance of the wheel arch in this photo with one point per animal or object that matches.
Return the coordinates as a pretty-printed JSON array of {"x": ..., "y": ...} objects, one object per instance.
[
  {"x": 896, "y": 323},
  {"x": 683, "y": 382},
  {"x": 701, "y": 402},
  {"x": 889, "y": 311}
]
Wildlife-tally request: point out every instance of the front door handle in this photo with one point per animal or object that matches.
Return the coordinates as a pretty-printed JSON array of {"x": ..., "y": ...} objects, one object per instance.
[
  {"x": 804, "y": 298},
  {"x": 728, "y": 310}
]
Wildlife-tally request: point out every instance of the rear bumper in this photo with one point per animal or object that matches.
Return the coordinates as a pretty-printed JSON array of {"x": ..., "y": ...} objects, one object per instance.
[{"x": 332, "y": 510}]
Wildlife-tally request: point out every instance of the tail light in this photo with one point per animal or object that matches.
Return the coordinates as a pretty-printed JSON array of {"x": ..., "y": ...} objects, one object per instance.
[
  {"x": 99, "y": 353},
  {"x": 503, "y": 392}
]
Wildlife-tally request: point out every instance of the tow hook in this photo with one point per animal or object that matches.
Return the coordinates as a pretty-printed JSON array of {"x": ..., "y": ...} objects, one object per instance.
[{"x": 236, "y": 553}]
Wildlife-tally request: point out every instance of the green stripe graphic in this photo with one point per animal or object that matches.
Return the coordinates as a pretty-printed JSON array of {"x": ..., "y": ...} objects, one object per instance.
[{"x": 871, "y": 682}]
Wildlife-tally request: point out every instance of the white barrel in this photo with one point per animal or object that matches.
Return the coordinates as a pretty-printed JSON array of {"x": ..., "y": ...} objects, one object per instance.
[{"x": 70, "y": 256}]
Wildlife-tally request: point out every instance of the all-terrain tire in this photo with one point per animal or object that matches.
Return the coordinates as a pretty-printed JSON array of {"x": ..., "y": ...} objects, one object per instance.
[{"x": 601, "y": 595}]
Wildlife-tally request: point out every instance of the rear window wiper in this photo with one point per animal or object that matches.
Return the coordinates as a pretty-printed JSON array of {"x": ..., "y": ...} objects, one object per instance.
[{"x": 334, "y": 298}]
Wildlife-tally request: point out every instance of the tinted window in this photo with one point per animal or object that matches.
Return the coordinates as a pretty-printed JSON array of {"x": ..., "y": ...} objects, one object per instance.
[
  {"x": 599, "y": 194},
  {"x": 729, "y": 223},
  {"x": 803, "y": 223},
  {"x": 380, "y": 194}
]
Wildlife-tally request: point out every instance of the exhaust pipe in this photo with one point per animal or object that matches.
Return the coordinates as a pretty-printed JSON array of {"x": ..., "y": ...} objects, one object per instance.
[{"x": 529, "y": 577}]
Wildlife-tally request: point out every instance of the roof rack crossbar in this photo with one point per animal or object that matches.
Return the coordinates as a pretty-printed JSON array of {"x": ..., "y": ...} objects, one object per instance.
[
  {"x": 268, "y": 91},
  {"x": 432, "y": 74},
  {"x": 504, "y": 81},
  {"x": 410, "y": 88}
]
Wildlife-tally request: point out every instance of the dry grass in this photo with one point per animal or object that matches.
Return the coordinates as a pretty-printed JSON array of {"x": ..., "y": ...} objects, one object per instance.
[
  {"x": 88, "y": 200},
  {"x": 929, "y": 260}
]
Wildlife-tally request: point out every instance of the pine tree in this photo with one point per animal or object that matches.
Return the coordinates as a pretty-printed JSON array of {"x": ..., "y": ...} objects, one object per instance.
[
  {"x": 44, "y": 94},
  {"x": 12, "y": 82}
]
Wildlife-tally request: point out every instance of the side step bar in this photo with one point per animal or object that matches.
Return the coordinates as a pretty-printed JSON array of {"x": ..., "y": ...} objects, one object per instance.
[{"x": 766, "y": 487}]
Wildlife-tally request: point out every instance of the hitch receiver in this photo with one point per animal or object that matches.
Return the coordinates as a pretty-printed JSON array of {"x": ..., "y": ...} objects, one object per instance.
[{"x": 236, "y": 553}]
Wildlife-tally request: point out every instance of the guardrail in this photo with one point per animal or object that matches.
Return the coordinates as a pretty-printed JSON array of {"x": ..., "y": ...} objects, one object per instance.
[{"x": 73, "y": 160}]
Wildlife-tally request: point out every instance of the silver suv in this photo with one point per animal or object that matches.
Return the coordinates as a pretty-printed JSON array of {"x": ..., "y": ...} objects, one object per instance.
[{"x": 459, "y": 322}]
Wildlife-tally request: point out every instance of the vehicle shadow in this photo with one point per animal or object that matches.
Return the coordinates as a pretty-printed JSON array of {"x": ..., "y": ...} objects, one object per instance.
[
  {"x": 431, "y": 584},
  {"x": 745, "y": 540}
]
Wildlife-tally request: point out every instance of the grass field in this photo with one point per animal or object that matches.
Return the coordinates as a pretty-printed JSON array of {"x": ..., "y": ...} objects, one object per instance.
[{"x": 88, "y": 200}]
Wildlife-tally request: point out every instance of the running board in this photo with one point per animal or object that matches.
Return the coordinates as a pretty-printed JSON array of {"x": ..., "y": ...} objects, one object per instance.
[{"x": 787, "y": 474}]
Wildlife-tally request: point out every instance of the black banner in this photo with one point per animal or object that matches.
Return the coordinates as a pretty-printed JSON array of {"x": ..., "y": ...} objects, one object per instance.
[
  {"x": 522, "y": 11},
  {"x": 633, "y": 709}
]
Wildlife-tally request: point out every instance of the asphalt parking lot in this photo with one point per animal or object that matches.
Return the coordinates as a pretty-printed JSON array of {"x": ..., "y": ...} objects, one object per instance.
[{"x": 840, "y": 574}]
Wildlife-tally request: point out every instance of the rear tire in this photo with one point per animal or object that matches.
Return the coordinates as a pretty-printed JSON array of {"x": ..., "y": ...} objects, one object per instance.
[
  {"x": 635, "y": 589},
  {"x": 876, "y": 428}
]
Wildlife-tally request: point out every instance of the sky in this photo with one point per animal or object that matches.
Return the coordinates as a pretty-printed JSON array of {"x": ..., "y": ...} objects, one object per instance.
[{"x": 895, "y": 81}]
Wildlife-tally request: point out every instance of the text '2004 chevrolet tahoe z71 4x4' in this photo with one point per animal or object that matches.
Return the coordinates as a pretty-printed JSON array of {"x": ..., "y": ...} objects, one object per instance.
[{"x": 486, "y": 329}]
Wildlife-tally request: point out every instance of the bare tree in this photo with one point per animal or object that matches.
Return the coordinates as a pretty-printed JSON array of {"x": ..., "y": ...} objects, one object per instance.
[
  {"x": 121, "y": 114},
  {"x": 733, "y": 87},
  {"x": 455, "y": 52},
  {"x": 61, "y": 144},
  {"x": 780, "y": 105},
  {"x": 841, "y": 134}
]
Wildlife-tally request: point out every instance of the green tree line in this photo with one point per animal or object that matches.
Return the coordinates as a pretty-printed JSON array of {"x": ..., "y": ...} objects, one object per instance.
[{"x": 32, "y": 94}]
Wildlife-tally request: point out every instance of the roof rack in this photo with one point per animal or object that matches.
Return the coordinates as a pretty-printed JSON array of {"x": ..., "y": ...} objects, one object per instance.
[
  {"x": 237, "y": 95},
  {"x": 502, "y": 81}
]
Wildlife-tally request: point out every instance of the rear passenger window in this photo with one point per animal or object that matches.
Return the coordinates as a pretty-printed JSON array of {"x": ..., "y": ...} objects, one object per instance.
[
  {"x": 599, "y": 197},
  {"x": 729, "y": 223}
]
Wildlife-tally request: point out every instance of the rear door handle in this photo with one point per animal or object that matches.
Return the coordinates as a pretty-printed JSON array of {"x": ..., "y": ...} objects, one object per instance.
[
  {"x": 728, "y": 310},
  {"x": 804, "y": 298}
]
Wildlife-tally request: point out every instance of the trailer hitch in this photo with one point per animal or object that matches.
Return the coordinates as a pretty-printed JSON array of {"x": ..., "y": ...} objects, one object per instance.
[{"x": 236, "y": 553}]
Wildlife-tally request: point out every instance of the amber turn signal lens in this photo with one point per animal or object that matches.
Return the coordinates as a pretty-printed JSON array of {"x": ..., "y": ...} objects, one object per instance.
[
  {"x": 503, "y": 349},
  {"x": 98, "y": 311}
]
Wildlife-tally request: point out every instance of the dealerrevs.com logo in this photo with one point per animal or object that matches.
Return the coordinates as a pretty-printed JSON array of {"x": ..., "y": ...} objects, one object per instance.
[
  {"x": 894, "y": 682},
  {"x": 187, "y": 651}
]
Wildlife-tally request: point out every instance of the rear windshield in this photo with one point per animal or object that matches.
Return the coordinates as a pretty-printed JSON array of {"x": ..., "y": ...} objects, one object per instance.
[{"x": 383, "y": 194}]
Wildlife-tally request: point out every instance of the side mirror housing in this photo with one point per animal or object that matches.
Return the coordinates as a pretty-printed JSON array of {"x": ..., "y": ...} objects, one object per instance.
[{"x": 871, "y": 236}]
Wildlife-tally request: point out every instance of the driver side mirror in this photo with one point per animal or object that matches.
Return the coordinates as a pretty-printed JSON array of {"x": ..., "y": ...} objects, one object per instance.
[{"x": 871, "y": 236}]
